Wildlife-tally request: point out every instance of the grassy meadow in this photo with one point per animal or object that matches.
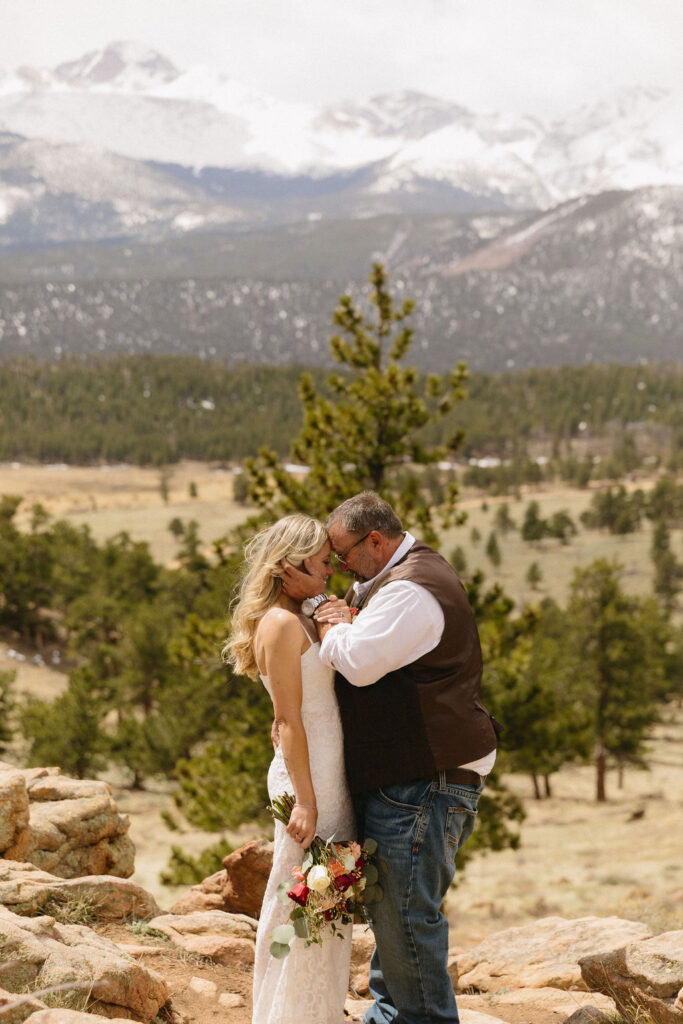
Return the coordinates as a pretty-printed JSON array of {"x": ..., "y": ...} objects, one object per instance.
[{"x": 110, "y": 499}]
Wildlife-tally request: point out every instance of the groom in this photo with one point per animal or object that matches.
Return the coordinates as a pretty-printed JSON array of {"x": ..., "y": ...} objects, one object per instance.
[{"x": 418, "y": 742}]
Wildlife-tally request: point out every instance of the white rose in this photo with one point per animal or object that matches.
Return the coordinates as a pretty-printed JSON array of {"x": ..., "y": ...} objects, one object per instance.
[{"x": 318, "y": 878}]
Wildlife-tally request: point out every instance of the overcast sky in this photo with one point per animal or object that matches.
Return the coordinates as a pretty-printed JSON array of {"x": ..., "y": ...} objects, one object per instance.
[{"x": 541, "y": 57}]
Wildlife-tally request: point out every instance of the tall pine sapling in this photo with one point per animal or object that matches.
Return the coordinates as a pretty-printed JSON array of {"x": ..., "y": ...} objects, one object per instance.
[{"x": 367, "y": 430}]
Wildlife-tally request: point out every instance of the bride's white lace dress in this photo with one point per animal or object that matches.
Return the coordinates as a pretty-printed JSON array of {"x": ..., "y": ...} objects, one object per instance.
[{"x": 309, "y": 986}]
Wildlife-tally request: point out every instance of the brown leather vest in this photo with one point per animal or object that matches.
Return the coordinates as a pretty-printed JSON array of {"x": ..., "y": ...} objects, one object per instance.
[{"x": 427, "y": 716}]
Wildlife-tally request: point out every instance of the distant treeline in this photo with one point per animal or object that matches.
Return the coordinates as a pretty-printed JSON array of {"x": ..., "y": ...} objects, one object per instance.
[{"x": 159, "y": 409}]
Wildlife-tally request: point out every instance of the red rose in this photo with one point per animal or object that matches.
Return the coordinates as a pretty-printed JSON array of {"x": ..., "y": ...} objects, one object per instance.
[
  {"x": 342, "y": 882},
  {"x": 360, "y": 863},
  {"x": 299, "y": 893}
]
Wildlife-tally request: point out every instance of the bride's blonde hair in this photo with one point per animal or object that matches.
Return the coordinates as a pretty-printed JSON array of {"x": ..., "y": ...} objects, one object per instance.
[{"x": 295, "y": 537}]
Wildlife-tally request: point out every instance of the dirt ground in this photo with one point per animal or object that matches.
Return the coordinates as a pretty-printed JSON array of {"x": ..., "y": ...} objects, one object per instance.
[{"x": 182, "y": 971}]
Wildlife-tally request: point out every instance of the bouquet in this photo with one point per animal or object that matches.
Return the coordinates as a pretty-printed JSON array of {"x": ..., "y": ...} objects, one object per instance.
[{"x": 334, "y": 885}]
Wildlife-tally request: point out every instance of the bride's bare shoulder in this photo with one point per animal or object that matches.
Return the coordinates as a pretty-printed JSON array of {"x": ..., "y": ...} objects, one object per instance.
[{"x": 279, "y": 624}]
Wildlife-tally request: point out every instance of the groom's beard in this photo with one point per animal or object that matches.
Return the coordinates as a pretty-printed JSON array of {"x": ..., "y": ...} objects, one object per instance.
[{"x": 365, "y": 571}]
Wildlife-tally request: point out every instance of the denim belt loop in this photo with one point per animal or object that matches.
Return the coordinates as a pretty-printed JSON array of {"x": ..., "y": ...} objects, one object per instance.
[{"x": 442, "y": 781}]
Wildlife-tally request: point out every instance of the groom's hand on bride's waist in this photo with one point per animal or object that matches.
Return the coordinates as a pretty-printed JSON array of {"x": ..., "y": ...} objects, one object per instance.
[{"x": 299, "y": 585}]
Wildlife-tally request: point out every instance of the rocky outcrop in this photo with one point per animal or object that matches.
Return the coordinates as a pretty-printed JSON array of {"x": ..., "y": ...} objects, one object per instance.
[
  {"x": 27, "y": 890},
  {"x": 590, "y": 1015},
  {"x": 69, "y": 827},
  {"x": 361, "y": 950},
  {"x": 238, "y": 888},
  {"x": 226, "y": 938},
  {"x": 39, "y": 953},
  {"x": 643, "y": 977},
  {"x": 56, "y": 1016},
  {"x": 556, "y": 1002},
  {"x": 545, "y": 953},
  {"x": 14, "y": 812},
  {"x": 15, "y": 1009}
]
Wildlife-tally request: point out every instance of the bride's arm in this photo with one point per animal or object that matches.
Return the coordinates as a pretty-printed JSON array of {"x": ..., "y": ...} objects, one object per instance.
[{"x": 281, "y": 636}]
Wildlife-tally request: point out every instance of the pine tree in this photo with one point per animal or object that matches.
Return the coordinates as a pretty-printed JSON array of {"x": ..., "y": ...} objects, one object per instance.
[
  {"x": 360, "y": 437},
  {"x": 503, "y": 521},
  {"x": 458, "y": 560},
  {"x": 614, "y": 659},
  {"x": 68, "y": 731},
  {"x": 7, "y": 706},
  {"x": 561, "y": 526},
  {"x": 365, "y": 433},
  {"x": 534, "y": 575},
  {"x": 533, "y": 528},
  {"x": 668, "y": 578},
  {"x": 493, "y": 550}
]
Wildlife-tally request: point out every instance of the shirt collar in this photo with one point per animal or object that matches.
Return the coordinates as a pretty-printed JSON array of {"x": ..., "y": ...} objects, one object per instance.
[{"x": 404, "y": 547}]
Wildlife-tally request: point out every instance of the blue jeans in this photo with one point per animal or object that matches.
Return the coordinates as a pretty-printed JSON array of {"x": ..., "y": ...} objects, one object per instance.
[{"x": 419, "y": 827}]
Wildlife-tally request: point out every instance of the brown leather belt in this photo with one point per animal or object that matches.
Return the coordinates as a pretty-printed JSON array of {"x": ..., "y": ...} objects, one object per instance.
[{"x": 462, "y": 776}]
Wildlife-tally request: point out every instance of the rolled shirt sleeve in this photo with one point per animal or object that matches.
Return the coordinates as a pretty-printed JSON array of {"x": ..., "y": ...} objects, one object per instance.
[{"x": 400, "y": 624}]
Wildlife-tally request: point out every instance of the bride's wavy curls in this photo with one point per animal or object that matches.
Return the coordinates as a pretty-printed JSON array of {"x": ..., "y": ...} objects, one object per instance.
[{"x": 294, "y": 537}]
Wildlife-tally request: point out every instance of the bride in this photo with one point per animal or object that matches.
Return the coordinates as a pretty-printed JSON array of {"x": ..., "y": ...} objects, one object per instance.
[{"x": 272, "y": 638}]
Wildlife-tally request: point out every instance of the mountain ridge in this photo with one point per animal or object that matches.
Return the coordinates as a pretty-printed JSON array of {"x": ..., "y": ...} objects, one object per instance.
[
  {"x": 411, "y": 150},
  {"x": 594, "y": 280}
]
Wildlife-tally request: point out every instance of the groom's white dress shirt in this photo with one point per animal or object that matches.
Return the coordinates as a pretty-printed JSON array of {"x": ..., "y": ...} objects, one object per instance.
[{"x": 400, "y": 624}]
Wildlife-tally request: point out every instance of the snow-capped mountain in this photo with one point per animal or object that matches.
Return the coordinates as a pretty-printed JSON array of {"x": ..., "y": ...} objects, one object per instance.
[{"x": 199, "y": 138}]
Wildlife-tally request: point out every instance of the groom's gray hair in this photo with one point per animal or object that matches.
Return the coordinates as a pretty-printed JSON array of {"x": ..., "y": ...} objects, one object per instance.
[{"x": 365, "y": 512}]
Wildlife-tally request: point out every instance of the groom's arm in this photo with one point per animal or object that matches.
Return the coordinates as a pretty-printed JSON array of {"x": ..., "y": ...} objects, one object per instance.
[{"x": 400, "y": 624}]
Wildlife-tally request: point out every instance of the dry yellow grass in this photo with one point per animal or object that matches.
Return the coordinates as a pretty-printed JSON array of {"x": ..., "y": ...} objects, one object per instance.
[
  {"x": 579, "y": 858},
  {"x": 109, "y": 499},
  {"x": 557, "y": 561}
]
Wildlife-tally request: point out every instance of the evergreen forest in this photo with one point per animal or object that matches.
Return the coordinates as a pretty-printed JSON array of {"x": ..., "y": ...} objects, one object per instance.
[{"x": 154, "y": 410}]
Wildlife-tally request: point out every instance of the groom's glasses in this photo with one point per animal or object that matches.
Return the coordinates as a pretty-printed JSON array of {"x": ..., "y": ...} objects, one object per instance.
[{"x": 342, "y": 558}]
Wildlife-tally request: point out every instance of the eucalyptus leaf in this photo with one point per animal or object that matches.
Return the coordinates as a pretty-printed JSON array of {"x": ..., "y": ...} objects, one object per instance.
[
  {"x": 370, "y": 846},
  {"x": 279, "y": 950},
  {"x": 301, "y": 929},
  {"x": 369, "y": 894},
  {"x": 281, "y": 893},
  {"x": 307, "y": 861},
  {"x": 379, "y": 894},
  {"x": 284, "y": 933},
  {"x": 371, "y": 874}
]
